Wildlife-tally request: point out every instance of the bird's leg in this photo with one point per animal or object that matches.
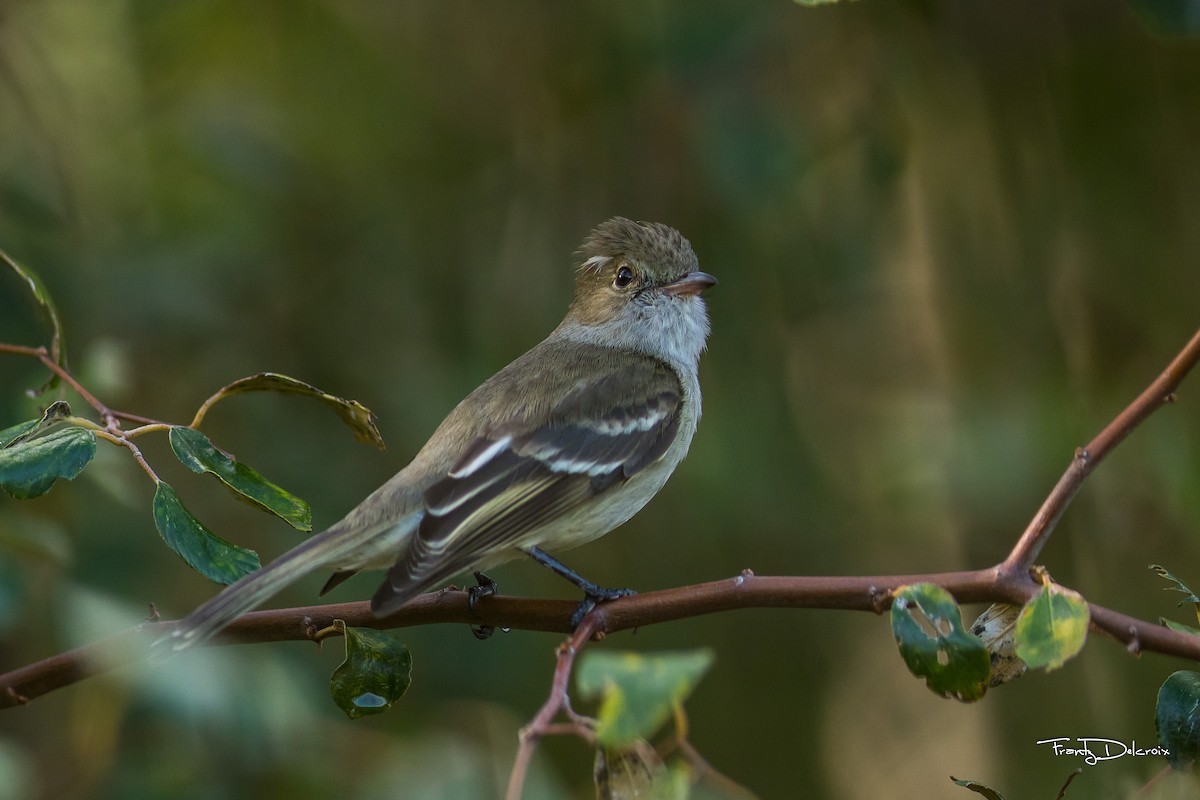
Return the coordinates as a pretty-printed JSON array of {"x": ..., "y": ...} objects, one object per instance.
[
  {"x": 592, "y": 594},
  {"x": 484, "y": 587}
]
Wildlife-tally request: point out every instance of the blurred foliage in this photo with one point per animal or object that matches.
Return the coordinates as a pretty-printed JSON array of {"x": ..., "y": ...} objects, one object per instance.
[
  {"x": 639, "y": 692},
  {"x": 953, "y": 239}
]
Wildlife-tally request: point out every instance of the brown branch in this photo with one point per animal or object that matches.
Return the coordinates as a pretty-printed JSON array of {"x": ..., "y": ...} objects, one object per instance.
[
  {"x": 556, "y": 702},
  {"x": 1156, "y": 395},
  {"x": 860, "y": 593}
]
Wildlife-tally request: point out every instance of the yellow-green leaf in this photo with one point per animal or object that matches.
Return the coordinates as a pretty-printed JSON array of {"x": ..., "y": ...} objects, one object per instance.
[
  {"x": 358, "y": 417},
  {"x": 207, "y": 553},
  {"x": 639, "y": 690},
  {"x": 1052, "y": 627},
  {"x": 198, "y": 454},
  {"x": 376, "y": 673},
  {"x": 928, "y": 627}
]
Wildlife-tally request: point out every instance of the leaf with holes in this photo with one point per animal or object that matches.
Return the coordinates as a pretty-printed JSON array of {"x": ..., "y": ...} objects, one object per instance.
[
  {"x": 29, "y": 467},
  {"x": 198, "y": 454},
  {"x": 376, "y": 673},
  {"x": 639, "y": 690},
  {"x": 204, "y": 551},
  {"x": 934, "y": 644},
  {"x": 1177, "y": 718},
  {"x": 1052, "y": 628}
]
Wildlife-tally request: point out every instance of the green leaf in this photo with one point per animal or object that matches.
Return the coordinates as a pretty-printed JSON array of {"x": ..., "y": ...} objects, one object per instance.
[
  {"x": 1052, "y": 628},
  {"x": 45, "y": 304},
  {"x": 207, "y": 553},
  {"x": 17, "y": 432},
  {"x": 640, "y": 691},
  {"x": 1180, "y": 586},
  {"x": 1177, "y": 718},
  {"x": 199, "y": 455},
  {"x": 376, "y": 673},
  {"x": 934, "y": 644},
  {"x": 29, "y": 467},
  {"x": 1179, "y": 627},
  {"x": 360, "y": 418},
  {"x": 978, "y": 788}
]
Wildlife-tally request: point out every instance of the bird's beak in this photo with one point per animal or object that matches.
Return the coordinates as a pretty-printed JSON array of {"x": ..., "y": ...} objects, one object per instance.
[{"x": 689, "y": 285}]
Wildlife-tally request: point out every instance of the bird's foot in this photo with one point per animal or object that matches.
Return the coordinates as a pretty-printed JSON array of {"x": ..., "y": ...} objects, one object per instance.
[
  {"x": 484, "y": 587},
  {"x": 593, "y": 596}
]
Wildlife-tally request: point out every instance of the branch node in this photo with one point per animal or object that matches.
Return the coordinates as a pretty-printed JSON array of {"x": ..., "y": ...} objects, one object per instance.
[
  {"x": 16, "y": 696},
  {"x": 318, "y": 635},
  {"x": 1169, "y": 398},
  {"x": 153, "y": 616},
  {"x": 1082, "y": 455},
  {"x": 1134, "y": 645},
  {"x": 881, "y": 601}
]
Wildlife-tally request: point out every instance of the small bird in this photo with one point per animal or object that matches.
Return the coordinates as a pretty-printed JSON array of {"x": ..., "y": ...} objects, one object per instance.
[{"x": 558, "y": 448}]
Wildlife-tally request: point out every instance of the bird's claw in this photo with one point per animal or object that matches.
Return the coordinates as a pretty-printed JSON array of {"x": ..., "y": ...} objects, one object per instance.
[
  {"x": 593, "y": 597},
  {"x": 484, "y": 587}
]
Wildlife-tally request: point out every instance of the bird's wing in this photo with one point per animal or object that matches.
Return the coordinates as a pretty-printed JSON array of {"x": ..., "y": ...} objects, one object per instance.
[{"x": 518, "y": 477}]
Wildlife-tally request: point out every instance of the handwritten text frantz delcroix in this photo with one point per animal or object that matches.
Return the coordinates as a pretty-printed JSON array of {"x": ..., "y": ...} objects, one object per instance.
[{"x": 1095, "y": 750}]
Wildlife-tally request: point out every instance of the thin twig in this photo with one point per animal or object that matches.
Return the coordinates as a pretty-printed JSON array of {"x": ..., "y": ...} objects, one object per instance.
[
  {"x": 557, "y": 701},
  {"x": 44, "y": 356},
  {"x": 123, "y": 441},
  {"x": 110, "y": 416},
  {"x": 110, "y": 430},
  {"x": 1155, "y": 396},
  {"x": 202, "y": 411}
]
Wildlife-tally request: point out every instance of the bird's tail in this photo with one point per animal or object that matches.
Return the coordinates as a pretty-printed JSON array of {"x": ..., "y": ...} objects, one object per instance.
[{"x": 329, "y": 547}]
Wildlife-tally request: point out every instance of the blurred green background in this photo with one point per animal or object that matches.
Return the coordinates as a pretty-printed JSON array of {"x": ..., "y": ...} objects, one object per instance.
[{"x": 953, "y": 239}]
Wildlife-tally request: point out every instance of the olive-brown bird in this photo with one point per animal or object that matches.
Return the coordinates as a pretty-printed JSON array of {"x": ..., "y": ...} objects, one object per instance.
[{"x": 558, "y": 448}]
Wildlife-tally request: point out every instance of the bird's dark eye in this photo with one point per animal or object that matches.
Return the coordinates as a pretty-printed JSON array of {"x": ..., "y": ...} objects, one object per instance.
[{"x": 624, "y": 277}]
